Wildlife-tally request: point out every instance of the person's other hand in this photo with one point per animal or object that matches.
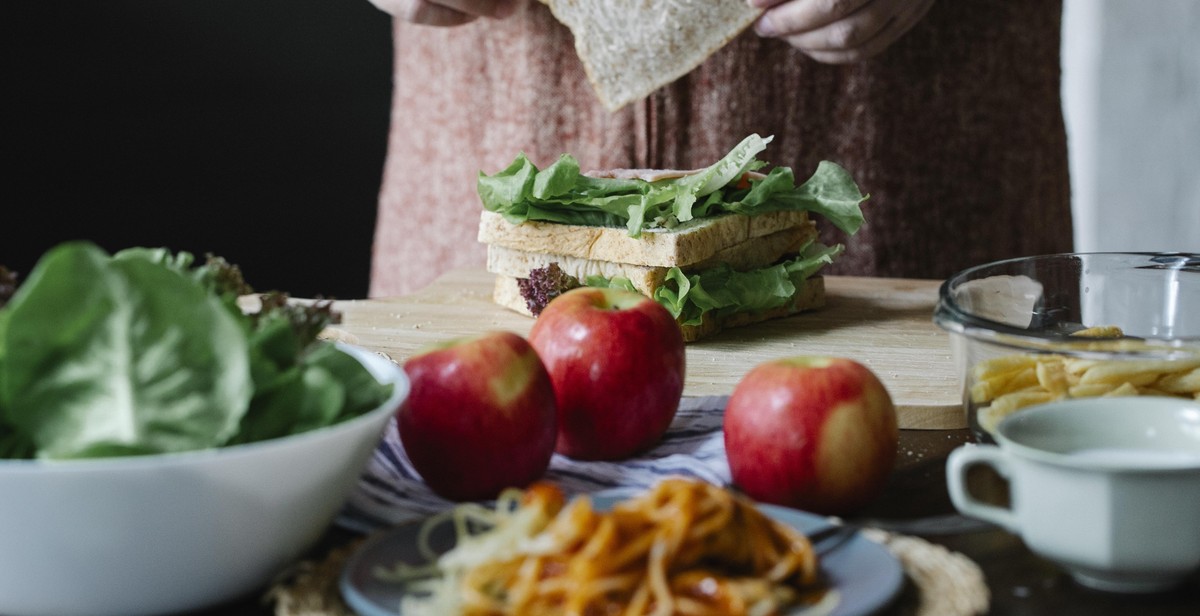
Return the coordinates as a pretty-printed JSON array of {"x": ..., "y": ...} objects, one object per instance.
[
  {"x": 839, "y": 31},
  {"x": 446, "y": 12}
]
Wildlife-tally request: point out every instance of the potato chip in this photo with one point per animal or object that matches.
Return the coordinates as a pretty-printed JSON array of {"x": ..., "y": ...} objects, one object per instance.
[
  {"x": 1100, "y": 331},
  {"x": 1180, "y": 382},
  {"x": 1125, "y": 389},
  {"x": 1003, "y": 385},
  {"x": 1090, "y": 390},
  {"x": 1008, "y": 404},
  {"x": 1137, "y": 372},
  {"x": 1052, "y": 376},
  {"x": 999, "y": 384},
  {"x": 1003, "y": 365}
]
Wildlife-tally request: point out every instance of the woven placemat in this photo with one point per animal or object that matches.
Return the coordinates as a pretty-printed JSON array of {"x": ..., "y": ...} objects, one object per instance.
[{"x": 940, "y": 582}]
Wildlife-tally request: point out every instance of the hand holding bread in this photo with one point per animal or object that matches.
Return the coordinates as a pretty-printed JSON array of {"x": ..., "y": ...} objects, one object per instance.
[
  {"x": 839, "y": 32},
  {"x": 630, "y": 48}
]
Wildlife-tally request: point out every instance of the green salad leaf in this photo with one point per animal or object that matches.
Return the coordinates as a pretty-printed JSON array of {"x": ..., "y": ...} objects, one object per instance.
[
  {"x": 145, "y": 352},
  {"x": 561, "y": 193},
  {"x": 830, "y": 192},
  {"x": 722, "y": 290}
]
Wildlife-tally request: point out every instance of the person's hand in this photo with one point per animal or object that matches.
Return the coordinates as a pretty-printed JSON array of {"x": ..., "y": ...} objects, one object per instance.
[
  {"x": 446, "y": 12},
  {"x": 839, "y": 31}
]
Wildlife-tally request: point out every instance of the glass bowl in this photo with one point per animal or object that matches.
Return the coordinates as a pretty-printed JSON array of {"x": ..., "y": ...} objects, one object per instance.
[{"x": 1038, "y": 329}]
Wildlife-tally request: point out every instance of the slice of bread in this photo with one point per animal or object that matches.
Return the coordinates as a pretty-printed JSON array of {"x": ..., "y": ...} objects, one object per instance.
[
  {"x": 690, "y": 243},
  {"x": 507, "y": 293},
  {"x": 630, "y": 48},
  {"x": 750, "y": 254}
]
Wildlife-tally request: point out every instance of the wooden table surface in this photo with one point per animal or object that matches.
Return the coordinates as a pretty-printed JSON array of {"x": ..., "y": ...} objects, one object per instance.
[{"x": 886, "y": 324}]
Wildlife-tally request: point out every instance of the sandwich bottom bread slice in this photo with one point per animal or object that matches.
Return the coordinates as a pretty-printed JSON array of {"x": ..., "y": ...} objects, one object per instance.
[
  {"x": 810, "y": 296},
  {"x": 718, "y": 273}
]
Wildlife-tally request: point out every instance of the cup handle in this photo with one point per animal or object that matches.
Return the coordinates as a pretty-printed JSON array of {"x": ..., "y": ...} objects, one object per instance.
[{"x": 962, "y": 459}]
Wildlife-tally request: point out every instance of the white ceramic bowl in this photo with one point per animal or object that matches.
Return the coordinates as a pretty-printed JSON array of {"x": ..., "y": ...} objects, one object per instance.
[
  {"x": 1108, "y": 488},
  {"x": 176, "y": 532}
]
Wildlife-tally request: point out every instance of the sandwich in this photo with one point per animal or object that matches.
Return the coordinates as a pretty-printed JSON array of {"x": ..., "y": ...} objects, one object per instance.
[{"x": 719, "y": 247}]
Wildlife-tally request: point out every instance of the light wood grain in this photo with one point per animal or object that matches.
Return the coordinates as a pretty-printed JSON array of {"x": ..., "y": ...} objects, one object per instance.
[{"x": 884, "y": 323}]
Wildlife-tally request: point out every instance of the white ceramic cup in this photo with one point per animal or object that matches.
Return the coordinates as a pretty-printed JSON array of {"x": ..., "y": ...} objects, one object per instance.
[{"x": 1107, "y": 488}]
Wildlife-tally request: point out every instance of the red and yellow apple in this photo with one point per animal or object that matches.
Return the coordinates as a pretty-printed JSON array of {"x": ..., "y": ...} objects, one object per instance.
[
  {"x": 616, "y": 359},
  {"x": 480, "y": 416},
  {"x": 813, "y": 433}
]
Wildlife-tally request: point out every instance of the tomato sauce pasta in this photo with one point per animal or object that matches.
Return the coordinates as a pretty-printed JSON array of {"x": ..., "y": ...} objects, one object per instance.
[{"x": 684, "y": 548}]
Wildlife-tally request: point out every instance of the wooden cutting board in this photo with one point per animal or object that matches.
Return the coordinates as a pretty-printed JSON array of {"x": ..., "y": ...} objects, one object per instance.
[{"x": 885, "y": 323}]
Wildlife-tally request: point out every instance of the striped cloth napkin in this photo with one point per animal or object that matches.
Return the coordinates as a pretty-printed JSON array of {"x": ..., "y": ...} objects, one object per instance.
[{"x": 391, "y": 492}]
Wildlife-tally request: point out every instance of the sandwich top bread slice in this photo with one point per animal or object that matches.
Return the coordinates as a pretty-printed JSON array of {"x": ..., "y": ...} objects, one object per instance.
[
  {"x": 681, "y": 245},
  {"x": 718, "y": 246}
]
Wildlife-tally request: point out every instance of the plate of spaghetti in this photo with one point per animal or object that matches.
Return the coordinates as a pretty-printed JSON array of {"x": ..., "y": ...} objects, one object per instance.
[{"x": 682, "y": 548}]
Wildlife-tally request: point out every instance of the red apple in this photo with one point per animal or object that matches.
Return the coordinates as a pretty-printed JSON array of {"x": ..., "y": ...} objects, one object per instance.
[
  {"x": 616, "y": 359},
  {"x": 814, "y": 433},
  {"x": 480, "y": 416}
]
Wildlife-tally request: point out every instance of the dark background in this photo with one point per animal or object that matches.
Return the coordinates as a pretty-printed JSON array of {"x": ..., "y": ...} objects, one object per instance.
[{"x": 251, "y": 129}]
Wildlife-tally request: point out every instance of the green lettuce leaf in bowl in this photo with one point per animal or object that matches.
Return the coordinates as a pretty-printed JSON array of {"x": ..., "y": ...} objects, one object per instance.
[{"x": 145, "y": 352}]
